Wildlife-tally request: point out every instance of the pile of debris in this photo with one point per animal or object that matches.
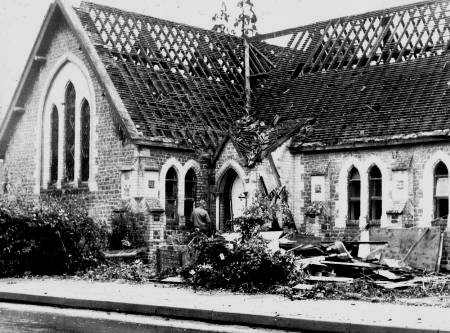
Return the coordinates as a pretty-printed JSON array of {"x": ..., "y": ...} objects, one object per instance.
[{"x": 392, "y": 259}]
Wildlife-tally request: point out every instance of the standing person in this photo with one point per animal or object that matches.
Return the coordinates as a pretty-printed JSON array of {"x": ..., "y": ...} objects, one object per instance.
[{"x": 200, "y": 219}]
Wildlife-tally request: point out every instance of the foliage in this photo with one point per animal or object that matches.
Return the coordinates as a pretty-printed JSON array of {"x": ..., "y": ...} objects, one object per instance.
[
  {"x": 272, "y": 208},
  {"x": 244, "y": 23},
  {"x": 263, "y": 208},
  {"x": 247, "y": 18},
  {"x": 221, "y": 20},
  {"x": 263, "y": 213},
  {"x": 248, "y": 226},
  {"x": 314, "y": 209},
  {"x": 321, "y": 209},
  {"x": 256, "y": 134},
  {"x": 246, "y": 266},
  {"x": 135, "y": 271},
  {"x": 127, "y": 231},
  {"x": 53, "y": 235}
]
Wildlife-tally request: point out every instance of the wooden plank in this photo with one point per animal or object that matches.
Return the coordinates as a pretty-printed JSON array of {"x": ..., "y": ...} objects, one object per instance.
[
  {"x": 414, "y": 245},
  {"x": 302, "y": 286},
  {"x": 329, "y": 279},
  {"x": 395, "y": 285},
  {"x": 387, "y": 274},
  {"x": 418, "y": 248},
  {"x": 439, "y": 258},
  {"x": 276, "y": 34},
  {"x": 358, "y": 264}
]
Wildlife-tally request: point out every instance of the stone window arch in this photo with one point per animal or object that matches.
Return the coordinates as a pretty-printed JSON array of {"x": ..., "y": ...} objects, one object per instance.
[
  {"x": 85, "y": 121},
  {"x": 171, "y": 204},
  {"x": 54, "y": 144},
  {"x": 190, "y": 194},
  {"x": 441, "y": 191},
  {"x": 66, "y": 152},
  {"x": 69, "y": 133},
  {"x": 375, "y": 194},
  {"x": 354, "y": 194}
]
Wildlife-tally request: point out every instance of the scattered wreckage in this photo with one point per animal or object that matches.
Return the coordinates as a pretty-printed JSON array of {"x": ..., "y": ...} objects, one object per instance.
[
  {"x": 391, "y": 259},
  {"x": 383, "y": 258}
]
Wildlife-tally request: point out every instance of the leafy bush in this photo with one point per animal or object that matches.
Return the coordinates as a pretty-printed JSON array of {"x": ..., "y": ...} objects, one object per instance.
[
  {"x": 246, "y": 266},
  {"x": 126, "y": 231},
  {"x": 53, "y": 235},
  {"x": 135, "y": 271},
  {"x": 265, "y": 212},
  {"x": 248, "y": 226}
]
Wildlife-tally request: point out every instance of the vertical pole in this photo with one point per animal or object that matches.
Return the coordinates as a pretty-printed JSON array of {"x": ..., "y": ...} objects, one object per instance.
[
  {"x": 247, "y": 75},
  {"x": 246, "y": 62}
]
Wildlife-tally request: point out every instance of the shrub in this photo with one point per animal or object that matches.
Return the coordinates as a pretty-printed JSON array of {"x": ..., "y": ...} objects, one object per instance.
[
  {"x": 263, "y": 213},
  {"x": 248, "y": 226},
  {"x": 53, "y": 235},
  {"x": 126, "y": 230},
  {"x": 245, "y": 266},
  {"x": 135, "y": 271}
]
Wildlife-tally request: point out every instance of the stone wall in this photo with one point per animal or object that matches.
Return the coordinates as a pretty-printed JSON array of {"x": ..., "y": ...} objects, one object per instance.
[
  {"x": 160, "y": 160},
  {"x": 407, "y": 176},
  {"x": 406, "y": 171},
  {"x": 22, "y": 160},
  {"x": 111, "y": 154}
]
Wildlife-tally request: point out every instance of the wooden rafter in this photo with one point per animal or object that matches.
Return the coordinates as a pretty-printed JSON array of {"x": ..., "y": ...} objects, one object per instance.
[{"x": 393, "y": 35}]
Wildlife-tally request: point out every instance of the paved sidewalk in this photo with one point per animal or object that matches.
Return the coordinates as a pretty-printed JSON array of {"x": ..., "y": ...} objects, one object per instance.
[{"x": 261, "y": 310}]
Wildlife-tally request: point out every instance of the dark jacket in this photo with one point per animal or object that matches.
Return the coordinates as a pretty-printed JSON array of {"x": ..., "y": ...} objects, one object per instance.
[{"x": 200, "y": 219}]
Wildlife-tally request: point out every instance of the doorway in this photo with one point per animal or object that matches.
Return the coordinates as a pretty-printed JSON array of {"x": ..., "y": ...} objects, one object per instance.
[{"x": 232, "y": 197}]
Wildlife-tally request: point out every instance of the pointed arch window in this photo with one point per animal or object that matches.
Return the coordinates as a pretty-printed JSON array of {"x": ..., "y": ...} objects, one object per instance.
[
  {"x": 190, "y": 194},
  {"x": 54, "y": 138},
  {"x": 354, "y": 195},
  {"x": 375, "y": 194},
  {"x": 441, "y": 191},
  {"x": 70, "y": 97},
  {"x": 171, "y": 198},
  {"x": 85, "y": 140}
]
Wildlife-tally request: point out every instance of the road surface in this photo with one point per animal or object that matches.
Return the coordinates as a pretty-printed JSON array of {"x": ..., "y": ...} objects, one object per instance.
[{"x": 15, "y": 318}]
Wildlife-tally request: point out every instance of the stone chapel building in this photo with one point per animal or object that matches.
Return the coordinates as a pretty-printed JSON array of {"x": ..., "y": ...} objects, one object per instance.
[{"x": 353, "y": 117}]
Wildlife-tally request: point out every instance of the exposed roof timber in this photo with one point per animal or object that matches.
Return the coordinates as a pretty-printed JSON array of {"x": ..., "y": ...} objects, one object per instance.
[
  {"x": 161, "y": 144},
  {"x": 177, "y": 81},
  {"x": 275, "y": 34},
  {"x": 385, "y": 36},
  {"x": 283, "y": 32},
  {"x": 262, "y": 55}
]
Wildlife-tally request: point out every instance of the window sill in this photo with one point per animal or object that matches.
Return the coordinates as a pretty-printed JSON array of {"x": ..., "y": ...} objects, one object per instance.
[
  {"x": 374, "y": 224},
  {"x": 353, "y": 223},
  {"x": 67, "y": 188},
  {"x": 84, "y": 185}
]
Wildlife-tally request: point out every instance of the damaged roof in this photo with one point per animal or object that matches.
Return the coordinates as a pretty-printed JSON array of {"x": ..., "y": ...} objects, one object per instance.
[
  {"x": 177, "y": 82},
  {"x": 362, "y": 78},
  {"x": 380, "y": 77}
]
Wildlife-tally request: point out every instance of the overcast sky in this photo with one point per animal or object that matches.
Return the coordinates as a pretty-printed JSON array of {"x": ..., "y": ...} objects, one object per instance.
[{"x": 20, "y": 21}]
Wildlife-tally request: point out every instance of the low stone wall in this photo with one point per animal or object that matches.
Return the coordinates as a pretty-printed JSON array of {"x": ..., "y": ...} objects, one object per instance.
[{"x": 170, "y": 258}]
